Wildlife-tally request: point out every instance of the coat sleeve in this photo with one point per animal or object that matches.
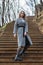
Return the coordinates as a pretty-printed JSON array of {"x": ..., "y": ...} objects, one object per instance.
[
  {"x": 26, "y": 27},
  {"x": 15, "y": 27}
]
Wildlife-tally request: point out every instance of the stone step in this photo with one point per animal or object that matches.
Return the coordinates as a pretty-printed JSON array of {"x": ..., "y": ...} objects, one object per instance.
[
  {"x": 16, "y": 41},
  {"x": 12, "y": 39},
  {"x": 24, "y": 57},
  {"x": 29, "y": 49},
  {"x": 11, "y": 34},
  {"x": 8, "y": 52},
  {"x": 38, "y": 43},
  {"x": 15, "y": 46},
  {"x": 25, "y": 60},
  {"x": 30, "y": 63},
  {"x": 28, "y": 55}
]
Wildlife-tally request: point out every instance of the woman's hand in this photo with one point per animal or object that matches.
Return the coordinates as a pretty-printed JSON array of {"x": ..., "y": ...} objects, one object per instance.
[
  {"x": 14, "y": 35},
  {"x": 25, "y": 34}
]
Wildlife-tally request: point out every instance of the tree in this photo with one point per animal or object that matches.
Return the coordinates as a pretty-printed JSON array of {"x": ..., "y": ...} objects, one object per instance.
[
  {"x": 36, "y": 8},
  {"x": 41, "y": 2},
  {"x": 8, "y": 12},
  {"x": 3, "y": 5}
]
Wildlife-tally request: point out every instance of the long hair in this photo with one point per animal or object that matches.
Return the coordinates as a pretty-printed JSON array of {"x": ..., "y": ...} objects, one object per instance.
[{"x": 23, "y": 15}]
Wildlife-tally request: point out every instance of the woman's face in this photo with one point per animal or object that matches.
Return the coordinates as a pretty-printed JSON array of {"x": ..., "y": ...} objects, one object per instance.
[{"x": 22, "y": 14}]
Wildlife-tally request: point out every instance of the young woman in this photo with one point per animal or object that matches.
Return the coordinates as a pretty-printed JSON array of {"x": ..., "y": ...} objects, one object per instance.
[{"x": 21, "y": 28}]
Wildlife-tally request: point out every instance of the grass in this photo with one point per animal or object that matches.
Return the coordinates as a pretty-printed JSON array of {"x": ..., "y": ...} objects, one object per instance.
[
  {"x": 3, "y": 27},
  {"x": 2, "y": 30}
]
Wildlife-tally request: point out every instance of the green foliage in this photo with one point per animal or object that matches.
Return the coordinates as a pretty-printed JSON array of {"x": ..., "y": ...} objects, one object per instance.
[{"x": 3, "y": 27}]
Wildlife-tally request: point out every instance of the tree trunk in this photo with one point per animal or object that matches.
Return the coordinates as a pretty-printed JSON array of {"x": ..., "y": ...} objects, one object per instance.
[
  {"x": 8, "y": 12},
  {"x": 36, "y": 8},
  {"x": 41, "y": 2},
  {"x": 3, "y": 5}
]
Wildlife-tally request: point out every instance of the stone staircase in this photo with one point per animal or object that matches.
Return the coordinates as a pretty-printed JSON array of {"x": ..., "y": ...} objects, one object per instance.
[{"x": 8, "y": 46}]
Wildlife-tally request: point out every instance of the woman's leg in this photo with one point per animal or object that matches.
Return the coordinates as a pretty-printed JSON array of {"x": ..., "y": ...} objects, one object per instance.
[
  {"x": 18, "y": 54},
  {"x": 18, "y": 50},
  {"x": 22, "y": 50},
  {"x": 28, "y": 43}
]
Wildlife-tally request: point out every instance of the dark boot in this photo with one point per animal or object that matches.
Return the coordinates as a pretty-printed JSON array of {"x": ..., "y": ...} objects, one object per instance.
[
  {"x": 22, "y": 52},
  {"x": 25, "y": 48},
  {"x": 17, "y": 58},
  {"x": 27, "y": 45}
]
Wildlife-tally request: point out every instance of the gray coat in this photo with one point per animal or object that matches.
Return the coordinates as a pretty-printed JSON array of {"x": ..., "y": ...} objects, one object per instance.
[{"x": 20, "y": 27}]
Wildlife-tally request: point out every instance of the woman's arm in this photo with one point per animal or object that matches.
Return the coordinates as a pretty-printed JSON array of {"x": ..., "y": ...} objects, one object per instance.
[
  {"x": 26, "y": 28},
  {"x": 15, "y": 28}
]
